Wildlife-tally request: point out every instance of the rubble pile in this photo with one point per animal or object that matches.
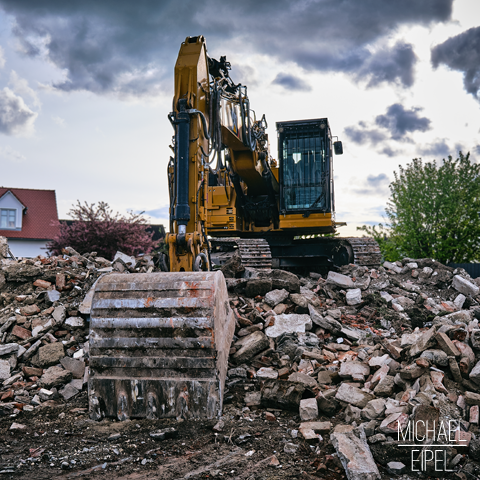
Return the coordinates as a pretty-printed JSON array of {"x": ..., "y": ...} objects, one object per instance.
[
  {"x": 373, "y": 351},
  {"x": 44, "y": 311}
]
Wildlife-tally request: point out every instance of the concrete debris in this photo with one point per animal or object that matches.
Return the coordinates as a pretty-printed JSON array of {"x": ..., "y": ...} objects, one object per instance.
[{"x": 378, "y": 348}]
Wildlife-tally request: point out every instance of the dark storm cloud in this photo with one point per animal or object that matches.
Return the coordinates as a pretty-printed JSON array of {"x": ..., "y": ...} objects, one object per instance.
[
  {"x": 462, "y": 53},
  {"x": 362, "y": 134},
  {"x": 129, "y": 47},
  {"x": 291, "y": 82},
  {"x": 390, "y": 65},
  {"x": 396, "y": 124},
  {"x": 16, "y": 118},
  {"x": 374, "y": 185},
  {"x": 399, "y": 121}
]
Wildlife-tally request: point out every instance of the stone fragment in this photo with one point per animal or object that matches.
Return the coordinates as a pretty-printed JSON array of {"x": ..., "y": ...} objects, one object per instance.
[
  {"x": 249, "y": 346},
  {"x": 354, "y": 296},
  {"x": 437, "y": 380},
  {"x": 68, "y": 392},
  {"x": 357, "y": 370},
  {"x": 394, "y": 423},
  {"x": 75, "y": 322},
  {"x": 21, "y": 332},
  {"x": 475, "y": 374},
  {"x": 308, "y": 409},
  {"x": 353, "y": 395},
  {"x": 317, "y": 427},
  {"x": 446, "y": 344},
  {"x": 474, "y": 414},
  {"x": 282, "y": 394},
  {"x": 392, "y": 266},
  {"x": 289, "y": 323},
  {"x": 267, "y": 373},
  {"x": 353, "y": 451},
  {"x": 324, "y": 378},
  {"x": 253, "y": 399},
  {"x": 455, "y": 369},
  {"x": 54, "y": 376},
  {"x": 258, "y": 286},
  {"x": 50, "y": 354},
  {"x": 59, "y": 314},
  {"x": 352, "y": 414},
  {"x": 290, "y": 448},
  {"x": 436, "y": 356},
  {"x": 299, "y": 377},
  {"x": 327, "y": 322},
  {"x": 17, "y": 426},
  {"x": 4, "y": 369},
  {"x": 376, "y": 362},
  {"x": 396, "y": 468},
  {"x": 339, "y": 280},
  {"x": 471, "y": 398},
  {"x": 8, "y": 348},
  {"x": 274, "y": 297},
  {"x": 374, "y": 409},
  {"x": 379, "y": 437},
  {"x": 29, "y": 310},
  {"x": 462, "y": 285},
  {"x": 385, "y": 387},
  {"x": 41, "y": 283},
  {"x": 426, "y": 341},
  {"x": 283, "y": 279},
  {"x": 309, "y": 435},
  {"x": 379, "y": 375},
  {"x": 77, "y": 367}
]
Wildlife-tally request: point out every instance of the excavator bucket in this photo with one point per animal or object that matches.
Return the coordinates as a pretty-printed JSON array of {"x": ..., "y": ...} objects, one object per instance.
[{"x": 159, "y": 345}]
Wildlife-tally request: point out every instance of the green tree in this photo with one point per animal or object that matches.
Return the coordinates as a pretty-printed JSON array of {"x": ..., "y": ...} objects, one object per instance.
[{"x": 434, "y": 211}]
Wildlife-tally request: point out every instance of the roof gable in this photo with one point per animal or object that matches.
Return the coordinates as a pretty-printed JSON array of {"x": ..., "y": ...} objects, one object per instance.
[
  {"x": 9, "y": 200},
  {"x": 40, "y": 219}
]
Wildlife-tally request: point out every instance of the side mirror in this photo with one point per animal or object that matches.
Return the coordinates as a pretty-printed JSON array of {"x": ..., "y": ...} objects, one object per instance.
[{"x": 338, "y": 148}]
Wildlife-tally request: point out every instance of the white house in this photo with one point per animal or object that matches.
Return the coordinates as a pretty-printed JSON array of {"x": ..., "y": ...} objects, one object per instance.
[{"x": 29, "y": 219}]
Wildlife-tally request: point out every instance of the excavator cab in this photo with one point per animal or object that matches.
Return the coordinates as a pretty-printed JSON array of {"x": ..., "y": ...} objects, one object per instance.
[{"x": 305, "y": 156}]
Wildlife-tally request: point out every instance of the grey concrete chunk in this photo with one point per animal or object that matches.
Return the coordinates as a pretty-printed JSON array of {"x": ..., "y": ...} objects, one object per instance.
[
  {"x": 75, "y": 322},
  {"x": 68, "y": 392},
  {"x": 353, "y": 395},
  {"x": 353, "y": 451},
  {"x": 298, "y": 377},
  {"x": 462, "y": 285},
  {"x": 250, "y": 346},
  {"x": 4, "y": 369},
  {"x": 427, "y": 340},
  {"x": 275, "y": 297},
  {"x": 59, "y": 314},
  {"x": 77, "y": 367},
  {"x": 293, "y": 323},
  {"x": 50, "y": 354},
  {"x": 340, "y": 280},
  {"x": 354, "y": 296},
  {"x": 308, "y": 409},
  {"x": 357, "y": 370},
  {"x": 54, "y": 376},
  {"x": 327, "y": 322}
]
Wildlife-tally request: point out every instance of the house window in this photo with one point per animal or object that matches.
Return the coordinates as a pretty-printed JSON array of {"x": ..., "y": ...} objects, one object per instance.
[{"x": 7, "y": 218}]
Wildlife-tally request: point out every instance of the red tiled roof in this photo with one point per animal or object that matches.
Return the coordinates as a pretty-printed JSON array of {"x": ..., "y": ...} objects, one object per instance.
[{"x": 41, "y": 213}]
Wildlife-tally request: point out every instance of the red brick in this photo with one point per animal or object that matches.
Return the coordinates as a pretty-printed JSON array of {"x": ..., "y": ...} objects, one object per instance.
[
  {"x": 8, "y": 395},
  {"x": 60, "y": 281},
  {"x": 30, "y": 310},
  {"x": 21, "y": 332},
  {"x": 41, "y": 283},
  {"x": 31, "y": 371},
  {"x": 474, "y": 414},
  {"x": 270, "y": 417}
]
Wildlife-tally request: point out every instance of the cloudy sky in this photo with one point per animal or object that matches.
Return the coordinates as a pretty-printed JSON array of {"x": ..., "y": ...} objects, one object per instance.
[{"x": 86, "y": 86}]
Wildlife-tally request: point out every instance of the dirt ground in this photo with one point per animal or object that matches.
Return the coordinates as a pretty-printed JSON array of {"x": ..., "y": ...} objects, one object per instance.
[{"x": 62, "y": 442}]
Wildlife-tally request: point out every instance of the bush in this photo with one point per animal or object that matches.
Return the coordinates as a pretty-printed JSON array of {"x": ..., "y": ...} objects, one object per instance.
[{"x": 95, "y": 228}]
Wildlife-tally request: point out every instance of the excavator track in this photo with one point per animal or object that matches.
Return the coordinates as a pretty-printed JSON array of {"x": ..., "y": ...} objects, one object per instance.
[
  {"x": 159, "y": 345},
  {"x": 366, "y": 251},
  {"x": 257, "y": 252}
]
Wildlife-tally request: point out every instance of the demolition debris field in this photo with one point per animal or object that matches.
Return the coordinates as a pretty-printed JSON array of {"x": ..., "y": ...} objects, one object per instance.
[{"x": 324, "y": 370}]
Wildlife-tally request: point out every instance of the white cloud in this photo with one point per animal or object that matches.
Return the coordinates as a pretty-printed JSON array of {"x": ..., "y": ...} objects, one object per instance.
[
  {"x": 2, "y": 57},
  {"x": 59, "y": 121},
  {"x": 16, "y": 118},
  {"x": 20, "y": 86},
  {"x": 9, "y": 154}
]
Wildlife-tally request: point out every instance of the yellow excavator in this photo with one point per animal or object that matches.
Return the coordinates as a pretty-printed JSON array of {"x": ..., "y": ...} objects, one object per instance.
[{"x": 159, "y": 342}]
